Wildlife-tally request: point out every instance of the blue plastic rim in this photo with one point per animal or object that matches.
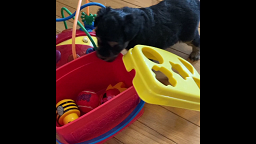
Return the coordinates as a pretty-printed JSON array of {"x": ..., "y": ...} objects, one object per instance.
[
  {"x": 82, "y": 7},
  {"x": 117, "y": 128}
]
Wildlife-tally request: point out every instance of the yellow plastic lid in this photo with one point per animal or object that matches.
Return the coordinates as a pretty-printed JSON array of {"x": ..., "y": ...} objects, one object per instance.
[{"x": 183, "y": 90}]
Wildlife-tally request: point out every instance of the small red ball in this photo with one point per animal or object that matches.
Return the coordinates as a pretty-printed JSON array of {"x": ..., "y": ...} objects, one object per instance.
[
  {"x": 87, "y": 101},
  {"x": 109, "y": 94}
]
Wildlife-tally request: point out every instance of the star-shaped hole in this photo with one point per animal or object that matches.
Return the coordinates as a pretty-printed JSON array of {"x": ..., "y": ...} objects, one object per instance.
[
  {"x": 179, "y": 70},
  {"x": 168, "y": 78}
]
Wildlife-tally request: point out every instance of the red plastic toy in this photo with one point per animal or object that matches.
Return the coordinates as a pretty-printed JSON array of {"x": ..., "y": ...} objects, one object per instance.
[
  {"x": 112, "y": 91},
  {"x": 109, "y": 94},
  {"x": 87, "y": 72},
  {"x": 64, "y": 52},
  {"x": 120, "y": 86},
  {"x": 87, "y": 101}
]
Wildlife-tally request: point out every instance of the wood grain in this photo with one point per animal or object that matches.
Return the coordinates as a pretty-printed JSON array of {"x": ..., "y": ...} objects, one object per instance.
[
  {"x": 170, "y": 125},
  {"x": 72, "y": 4},
  {"x": 189, "y": 115},
  {"x": 113, "y": 141},
  {"x": 71, "y": 9},
  {"x": 182, "y": 47},
  {"x": 139, "y": 3},
  {"x": 139, "y": 133},
  {"x": 116, "y": 3},
  {"x": 60, "y": 25},
  {"x": 57, "y": 32},
  {"x": 153, "y": 2}
]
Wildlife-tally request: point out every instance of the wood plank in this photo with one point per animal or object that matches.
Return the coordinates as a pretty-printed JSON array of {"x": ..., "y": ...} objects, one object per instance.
[
  {"x": 190, "y": 115},
  {"x": 174, "y": 51},
  {"x": 60, "y": 25},
  {"x": 93, "y": 9},
  {"x": 153, "y": 2},
  {"x": 72, "y": 10},
  {"x": 73, "y": 4},
  {"x": 115, "y": 3},
  {"x": 170, "y": 125},
  {"x": 139, "y": 3},
  {"x": 57, "y": 32},
  {"x": 139, "y": 133},
  {"x": 110, "y": 141},
  {"x": 182, "y": 47},
  {"x": 113, "y": 141},
  {"x": 58, "y": 10}
]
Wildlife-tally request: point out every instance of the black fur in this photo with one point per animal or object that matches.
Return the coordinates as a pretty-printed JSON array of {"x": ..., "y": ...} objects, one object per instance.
[{"x": 161, "y": 25}]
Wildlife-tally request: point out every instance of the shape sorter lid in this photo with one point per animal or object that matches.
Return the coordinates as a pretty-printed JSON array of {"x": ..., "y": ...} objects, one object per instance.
[{"x": 183, "y": 88}]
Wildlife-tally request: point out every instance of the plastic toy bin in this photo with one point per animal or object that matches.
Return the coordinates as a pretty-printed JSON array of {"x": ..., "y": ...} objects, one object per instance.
[{"x": 90, "y": 73}]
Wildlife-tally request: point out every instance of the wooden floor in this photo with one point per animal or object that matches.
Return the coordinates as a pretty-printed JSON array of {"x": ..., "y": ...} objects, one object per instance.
[{"x": 159, "y": 124}]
